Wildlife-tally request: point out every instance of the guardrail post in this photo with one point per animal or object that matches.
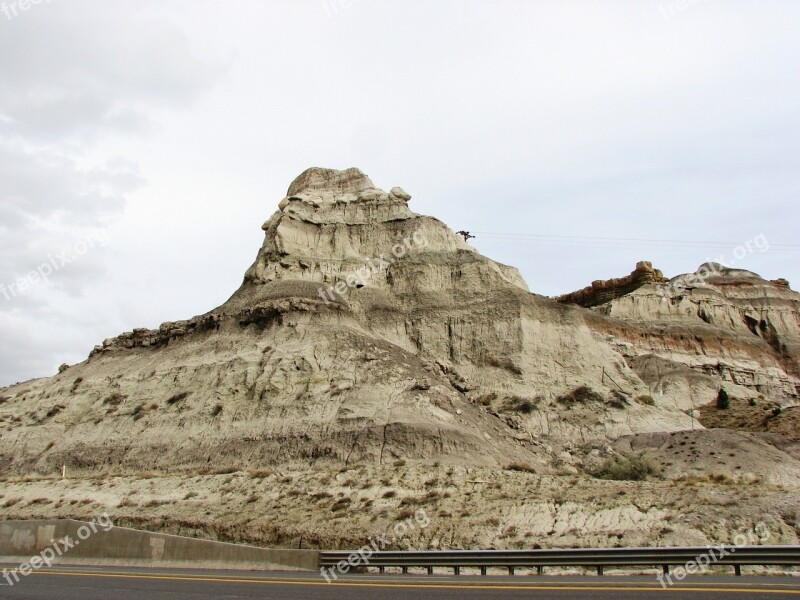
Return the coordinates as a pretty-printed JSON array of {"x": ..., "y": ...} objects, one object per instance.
[
  {"x": 599, "y": 569},
  {"x": 430, "y": 570},
  {"x": 405, "y": 570},
  {"x": 540, "y": 570},
  {"x": 665, "y": 569},
  {"x": 483, "y": 570},
  {"x": 381, "y": 570},
  {"x": 510, "y": 570},
  {"x": 456, "y": 570},
  {"x": 737, "y": 570}
]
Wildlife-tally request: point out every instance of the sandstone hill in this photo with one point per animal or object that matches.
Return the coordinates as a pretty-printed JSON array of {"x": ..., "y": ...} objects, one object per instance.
[{"x": 375, "y": 342}]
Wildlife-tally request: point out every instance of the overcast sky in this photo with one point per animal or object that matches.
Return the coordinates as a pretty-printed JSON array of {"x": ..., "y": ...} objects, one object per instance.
[{"x": 143, "y": 144}]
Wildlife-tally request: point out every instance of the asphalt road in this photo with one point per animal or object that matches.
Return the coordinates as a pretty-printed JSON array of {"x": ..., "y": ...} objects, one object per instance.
[{"x": 100, "y": 583}]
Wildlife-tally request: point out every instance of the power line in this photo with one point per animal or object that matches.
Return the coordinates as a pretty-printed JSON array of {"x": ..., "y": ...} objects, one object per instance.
[
  {"x": 609, "y": 242},
  {"x": 599, "y": 238}
]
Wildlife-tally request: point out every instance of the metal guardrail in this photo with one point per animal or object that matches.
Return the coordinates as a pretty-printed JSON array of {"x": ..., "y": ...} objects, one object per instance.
[{"x": 580, "y": 557}]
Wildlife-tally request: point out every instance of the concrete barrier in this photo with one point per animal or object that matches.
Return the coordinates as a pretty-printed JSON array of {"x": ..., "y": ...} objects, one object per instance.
[{"x": 120, "y": 546}]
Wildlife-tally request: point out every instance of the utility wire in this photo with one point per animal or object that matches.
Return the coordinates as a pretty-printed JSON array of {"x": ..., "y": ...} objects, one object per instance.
[{"x": 566, "y": 241}]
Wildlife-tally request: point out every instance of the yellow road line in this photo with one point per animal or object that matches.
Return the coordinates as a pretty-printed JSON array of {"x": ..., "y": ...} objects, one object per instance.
[{"x": 501, "y": 587}]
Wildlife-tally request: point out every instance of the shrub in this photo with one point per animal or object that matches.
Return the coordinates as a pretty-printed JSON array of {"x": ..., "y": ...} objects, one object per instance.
[
  {"x": 114, "y": 399},
  {"x": 138, "y": 412},
  {"x": 635, "y": 468},
  {"x": 486, "y": 399},
  {"x": 405, "y": 514},
  {"x": 521, "y": 467},
  {"x": 389, "y": 494},
  {"x": 582, "y": 394},
  {"x": 645, "y": 399},
  {"x": 431, "y": 496},
  {"x": 341, "y": 504},
  {"x": 518, "y": 404},
  {"x": 190, "y": 495},
  {"x": 177, "y": 398},
  {"x": 776, "y": 411},
  {"x": 753, "y": 402},
  {"x": 155, "y": 503},
  {"x": 723, "y": 400},
  {"x": 216, "y": 410},
  {"x": 259, "y": 473}
]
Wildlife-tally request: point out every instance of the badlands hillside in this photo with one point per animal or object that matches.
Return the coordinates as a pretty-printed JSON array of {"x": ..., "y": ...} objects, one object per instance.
[{"x": 373, "y": 363}]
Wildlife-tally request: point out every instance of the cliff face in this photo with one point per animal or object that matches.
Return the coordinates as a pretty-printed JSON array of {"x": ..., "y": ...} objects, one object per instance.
[
  {"x": 372, "y": 360},
  {"x": 688, "y": 336},
  {"x": 366, "y": 333},
  {"x": 362, "y": 332},
  {"x": 601, "y": 292}
]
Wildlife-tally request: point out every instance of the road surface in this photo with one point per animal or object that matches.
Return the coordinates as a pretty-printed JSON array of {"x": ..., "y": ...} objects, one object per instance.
[{"x": 120, "y": 583}]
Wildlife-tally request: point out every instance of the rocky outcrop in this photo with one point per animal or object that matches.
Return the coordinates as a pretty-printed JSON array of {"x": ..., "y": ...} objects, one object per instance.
[
  {"x": 718, "y": 327},
  {"x": 364, "y": 333},
  {"x": 601, "y": 292}
]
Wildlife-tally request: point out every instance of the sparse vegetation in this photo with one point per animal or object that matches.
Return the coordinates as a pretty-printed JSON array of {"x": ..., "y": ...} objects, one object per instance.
[
  {"x": 646, "y": 400},
  {"x": 580, "y": 395},
  {"x": 114, "y": 399},
  {"x": 520, "y": 405},
  {"x": 138, "y": 412},
  {"x": 635, "y": 468},
  {"x": 487, "y": 399},
  {"x": 259, "y": 473},
  {"x": 178, "y": 398},
  {"x": 431, "y": 496},
  {"x": 521, "y": 467},
  {"x": 341, "y": 504}
]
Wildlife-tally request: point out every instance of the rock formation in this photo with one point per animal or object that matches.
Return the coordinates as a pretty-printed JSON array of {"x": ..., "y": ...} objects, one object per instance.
[
  {"x": 688, "y": 336},
  {"x": 365, "y": 335},
  {"x": 601, "y": 292}
]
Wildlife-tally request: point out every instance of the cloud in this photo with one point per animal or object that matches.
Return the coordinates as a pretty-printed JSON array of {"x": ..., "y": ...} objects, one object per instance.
[{"x": 76, "y": 78}]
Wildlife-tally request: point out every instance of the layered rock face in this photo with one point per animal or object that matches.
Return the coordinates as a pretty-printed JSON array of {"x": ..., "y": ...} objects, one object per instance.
[
  {"x": 688, "y": 336},
  {"x": 364, "y": 333},
  {"x": 602, "y": 292}
]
